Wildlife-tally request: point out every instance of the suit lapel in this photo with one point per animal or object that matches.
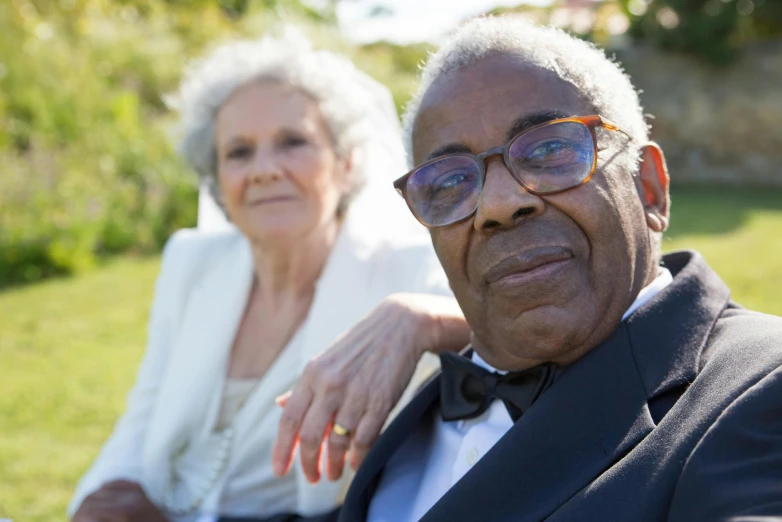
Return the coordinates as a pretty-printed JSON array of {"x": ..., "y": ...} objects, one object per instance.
[
  {"x": 363, "y": 486},
  {"x": 668, "y": 334},
  {"x": 593, "y": 414}
]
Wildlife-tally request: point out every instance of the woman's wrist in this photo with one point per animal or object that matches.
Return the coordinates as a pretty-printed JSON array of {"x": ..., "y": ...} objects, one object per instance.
[{"x": 442, "y": 327}]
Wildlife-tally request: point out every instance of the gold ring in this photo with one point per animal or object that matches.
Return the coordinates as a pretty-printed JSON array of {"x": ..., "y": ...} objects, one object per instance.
[{"x": 341, "y": 430}]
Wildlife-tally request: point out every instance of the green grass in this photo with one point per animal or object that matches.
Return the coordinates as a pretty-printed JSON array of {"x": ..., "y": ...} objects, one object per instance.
[
  {"x": 739, "y": 232},
  {"x": 69, "y": 348}
]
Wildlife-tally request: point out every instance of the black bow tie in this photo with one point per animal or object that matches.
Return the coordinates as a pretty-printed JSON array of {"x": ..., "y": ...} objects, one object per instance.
[{"x": 467, "y": 390}]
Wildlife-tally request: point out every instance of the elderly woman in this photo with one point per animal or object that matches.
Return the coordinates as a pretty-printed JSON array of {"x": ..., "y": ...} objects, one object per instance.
[{"x": 294, "y": 146}]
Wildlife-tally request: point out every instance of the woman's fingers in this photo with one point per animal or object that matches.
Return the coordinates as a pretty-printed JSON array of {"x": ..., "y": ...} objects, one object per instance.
[
  {"x": 355, "y": 383},
  {"x": 295, "y": 409},
  {"x": 311, "y": 435},
  {"x": 282, "y": 400},
  {"x": 367, "y": 432},
  {"x": 348, "y": 417}
]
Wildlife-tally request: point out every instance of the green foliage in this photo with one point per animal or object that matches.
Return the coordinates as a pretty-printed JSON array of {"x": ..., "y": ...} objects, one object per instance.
[
  {"x": 396, "y": 66},
  {"x": 87, "y": 169},
  {"x": 713, "y": 29}
]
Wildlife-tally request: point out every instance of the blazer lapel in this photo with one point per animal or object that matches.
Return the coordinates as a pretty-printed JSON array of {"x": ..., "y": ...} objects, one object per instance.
[
  {"x": 594, "y": 413},
  {"x": 344, "y": 293},
  {"x": 200, "y": 352},
  {"x": 363, "y": 486},
  {"x": 668, "y": 333},
  {"x": 213, "y": 317}
]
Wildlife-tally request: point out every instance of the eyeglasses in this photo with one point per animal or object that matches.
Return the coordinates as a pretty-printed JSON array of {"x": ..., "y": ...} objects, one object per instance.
[{"x": 545, "y": 159}]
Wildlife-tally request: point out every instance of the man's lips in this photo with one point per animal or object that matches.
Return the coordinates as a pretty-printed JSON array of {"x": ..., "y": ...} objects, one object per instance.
[{"x": 529, "y": 264}]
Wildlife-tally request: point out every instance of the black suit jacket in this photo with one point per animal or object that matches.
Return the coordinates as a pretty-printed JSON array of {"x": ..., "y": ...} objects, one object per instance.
[{"x": 676, "y": 417}]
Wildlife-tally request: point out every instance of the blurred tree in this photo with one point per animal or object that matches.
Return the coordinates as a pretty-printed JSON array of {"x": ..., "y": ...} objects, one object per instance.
[
  {"x": 86, "y": 165},
  {"x": 714, "y": 29},
  {"x": 380, "y": 10},
  {"x": 87, "y": 170}
]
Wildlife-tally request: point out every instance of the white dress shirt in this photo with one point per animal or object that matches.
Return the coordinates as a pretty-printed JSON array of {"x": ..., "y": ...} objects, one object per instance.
[{"x": 449, "y": 449}]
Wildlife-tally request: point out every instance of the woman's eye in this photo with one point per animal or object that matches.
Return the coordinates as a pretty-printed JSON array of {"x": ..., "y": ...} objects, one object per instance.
[
  {"x": 239, "y": 152},
  {"x": 292, "y": 141}
]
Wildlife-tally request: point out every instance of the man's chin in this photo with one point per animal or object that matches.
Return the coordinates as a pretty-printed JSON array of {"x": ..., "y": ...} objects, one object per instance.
[
  {"x": 542, "y": 333},
  {"x": 523, "y": 353}
]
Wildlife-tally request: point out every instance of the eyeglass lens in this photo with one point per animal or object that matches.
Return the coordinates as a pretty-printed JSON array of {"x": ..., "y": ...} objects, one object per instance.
[{"x": 548, "y": 159}]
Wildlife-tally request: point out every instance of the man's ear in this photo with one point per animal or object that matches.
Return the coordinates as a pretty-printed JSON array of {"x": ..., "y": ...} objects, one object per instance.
[{"x": 654, "y": 187}]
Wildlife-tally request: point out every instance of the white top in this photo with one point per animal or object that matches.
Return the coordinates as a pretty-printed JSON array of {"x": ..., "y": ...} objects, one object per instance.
[
  {"x": 235, "y": 394},
  {"x": 173, "y": 409},
  {"x": 448, "y": 450}
]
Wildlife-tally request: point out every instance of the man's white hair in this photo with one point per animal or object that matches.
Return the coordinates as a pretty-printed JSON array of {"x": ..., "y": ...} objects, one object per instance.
[
  {"x": 600, "y": 80},
  {"x": 326, "y": 77}
]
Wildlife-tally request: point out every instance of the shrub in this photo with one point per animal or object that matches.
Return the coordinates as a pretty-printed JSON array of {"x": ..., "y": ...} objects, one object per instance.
[
  {"x": 86, "y": 164},
  {"x": 713, "y": 29}
]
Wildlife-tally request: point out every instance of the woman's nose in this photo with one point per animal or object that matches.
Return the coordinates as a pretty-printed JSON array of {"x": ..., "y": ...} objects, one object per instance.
[{"x": 265, "y": 167}]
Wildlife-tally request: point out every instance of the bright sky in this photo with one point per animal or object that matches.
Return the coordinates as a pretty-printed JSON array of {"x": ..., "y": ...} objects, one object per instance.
[{"x": 412, "y": 20}]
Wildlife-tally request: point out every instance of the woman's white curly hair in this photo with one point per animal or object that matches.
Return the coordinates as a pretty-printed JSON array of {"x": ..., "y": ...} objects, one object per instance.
[{"x": 331, "y": 80}]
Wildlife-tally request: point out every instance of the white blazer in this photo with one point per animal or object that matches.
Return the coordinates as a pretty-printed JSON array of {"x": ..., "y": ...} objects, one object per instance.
[{"x": 200, "y": 296}]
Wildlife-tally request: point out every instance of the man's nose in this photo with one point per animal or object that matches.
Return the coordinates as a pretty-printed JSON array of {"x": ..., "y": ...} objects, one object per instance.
[{"x": 504, "y": 202}]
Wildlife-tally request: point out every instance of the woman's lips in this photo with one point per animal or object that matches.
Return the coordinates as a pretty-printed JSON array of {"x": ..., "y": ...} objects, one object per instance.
[
  {"x": 529, "y": 266},
  {"x": 269, "y": 200}
]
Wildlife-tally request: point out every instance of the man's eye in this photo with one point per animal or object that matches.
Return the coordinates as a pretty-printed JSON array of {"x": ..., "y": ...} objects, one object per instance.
[
  {"x": 451, "y": 181},
  {"x": 453, "y": 184},
  {"x": 551, "y": 150}
]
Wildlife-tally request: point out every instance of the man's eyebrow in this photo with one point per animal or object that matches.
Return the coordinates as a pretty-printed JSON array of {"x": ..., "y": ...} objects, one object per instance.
[
  {"x": 447, "y": 149},
  {"x": 532, "y": 119},
  {"x": 526, "y": 121}
]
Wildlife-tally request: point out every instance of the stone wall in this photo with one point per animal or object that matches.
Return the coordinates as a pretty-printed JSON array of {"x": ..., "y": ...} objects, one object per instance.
[{"x": 716, "y": 125}]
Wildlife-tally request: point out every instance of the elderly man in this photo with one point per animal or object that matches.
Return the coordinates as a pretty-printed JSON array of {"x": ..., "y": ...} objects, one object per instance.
[{"x": 605, "y": 382}]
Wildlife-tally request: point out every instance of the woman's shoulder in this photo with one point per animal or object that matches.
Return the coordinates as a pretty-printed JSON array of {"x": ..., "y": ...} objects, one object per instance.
[
  {"x": 197, "y": 246},
  {"x": 190, "y": 254}
]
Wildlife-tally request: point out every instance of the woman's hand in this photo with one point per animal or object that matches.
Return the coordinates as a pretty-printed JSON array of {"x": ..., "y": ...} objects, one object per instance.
[
  {"x": 118, "y": 501},
  {"x": 357, "y": 382}
]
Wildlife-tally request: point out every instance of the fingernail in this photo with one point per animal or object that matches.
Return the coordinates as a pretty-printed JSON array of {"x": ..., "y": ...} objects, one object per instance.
[{"x": 280, "y": 399}]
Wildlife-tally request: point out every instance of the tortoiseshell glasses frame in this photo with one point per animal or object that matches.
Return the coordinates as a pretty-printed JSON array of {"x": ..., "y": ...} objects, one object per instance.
[{"x": 545, "y": 159}]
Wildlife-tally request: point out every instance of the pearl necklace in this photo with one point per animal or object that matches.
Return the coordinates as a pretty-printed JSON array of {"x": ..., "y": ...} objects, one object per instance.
[{"x": 218, "y": 466}]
